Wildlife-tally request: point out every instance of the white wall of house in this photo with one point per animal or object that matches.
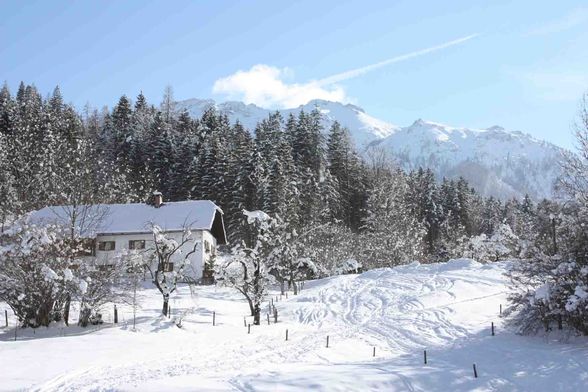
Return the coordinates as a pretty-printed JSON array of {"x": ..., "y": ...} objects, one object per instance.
[{"x": 200, "y": 239}]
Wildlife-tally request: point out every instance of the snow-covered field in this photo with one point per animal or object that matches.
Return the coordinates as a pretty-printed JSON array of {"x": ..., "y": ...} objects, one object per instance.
[{"x": 446, "y": 309}]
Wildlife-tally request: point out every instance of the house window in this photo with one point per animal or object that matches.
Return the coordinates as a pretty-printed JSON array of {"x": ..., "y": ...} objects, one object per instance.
[
  {"x": 136, "y": 244},
  {"x": 106, "y": 245},
  {"x": 207, "y": 246}
]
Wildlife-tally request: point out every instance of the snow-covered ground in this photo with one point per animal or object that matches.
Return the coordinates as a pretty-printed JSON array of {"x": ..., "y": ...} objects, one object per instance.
[{"x": 445, "y": 308}]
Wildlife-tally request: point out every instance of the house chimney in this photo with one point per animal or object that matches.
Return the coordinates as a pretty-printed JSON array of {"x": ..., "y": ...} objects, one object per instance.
[{"x": 157, "y": 199}]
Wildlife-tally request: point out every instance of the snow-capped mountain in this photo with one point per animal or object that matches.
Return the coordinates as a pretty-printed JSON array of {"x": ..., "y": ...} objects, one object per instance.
[
  {"x": 364, "y": 128},
  {"x": 495, "y": 161}
]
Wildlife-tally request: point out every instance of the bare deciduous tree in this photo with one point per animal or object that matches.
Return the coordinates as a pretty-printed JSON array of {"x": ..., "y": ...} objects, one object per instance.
[
  {"x": 171, "y": 259},
  {"x": 247, "y": 270}
]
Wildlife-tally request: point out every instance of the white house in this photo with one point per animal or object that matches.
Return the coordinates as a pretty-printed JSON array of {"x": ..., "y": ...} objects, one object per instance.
[{"x": 113, "y": 228}]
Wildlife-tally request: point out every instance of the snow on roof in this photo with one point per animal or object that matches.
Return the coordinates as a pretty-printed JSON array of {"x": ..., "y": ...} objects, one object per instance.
[{"x": 134, "y": 217}]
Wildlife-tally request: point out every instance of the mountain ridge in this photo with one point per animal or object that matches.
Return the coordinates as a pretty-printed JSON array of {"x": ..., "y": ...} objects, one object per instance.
[{"x": 496, "y": 161}]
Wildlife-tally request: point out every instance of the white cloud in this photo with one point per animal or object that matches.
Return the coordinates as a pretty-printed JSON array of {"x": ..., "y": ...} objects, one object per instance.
[{"x": 264, "y": 85}]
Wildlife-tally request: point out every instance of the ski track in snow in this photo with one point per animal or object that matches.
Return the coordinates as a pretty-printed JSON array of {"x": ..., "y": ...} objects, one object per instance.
[{"x": 400, "y": 311}]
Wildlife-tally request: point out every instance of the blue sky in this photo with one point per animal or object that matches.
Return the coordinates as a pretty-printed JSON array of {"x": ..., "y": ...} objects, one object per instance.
[{"x": 525, "y": 69}]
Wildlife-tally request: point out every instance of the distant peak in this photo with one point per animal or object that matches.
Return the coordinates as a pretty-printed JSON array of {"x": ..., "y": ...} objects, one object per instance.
[
  {"x": 420, "y": 123},
  {"x": 237, "y": 105},
  {"x": 496, "y": 128},
  {"x": 317, "y": 102},
  {"x": 354, "y": 107},
  {"x": 324, "y": 102}
]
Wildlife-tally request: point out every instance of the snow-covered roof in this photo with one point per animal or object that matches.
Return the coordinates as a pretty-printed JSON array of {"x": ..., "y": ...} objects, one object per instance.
[{"x": 137, "y": 217}]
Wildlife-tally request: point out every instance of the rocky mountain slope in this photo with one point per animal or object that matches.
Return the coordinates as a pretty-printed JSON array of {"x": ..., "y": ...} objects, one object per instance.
[{"x": 495, "y": 161}]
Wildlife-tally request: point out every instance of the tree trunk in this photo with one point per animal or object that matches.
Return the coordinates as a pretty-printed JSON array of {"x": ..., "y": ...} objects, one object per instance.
[
  {"x": 165, "y": 304},
  {"x": 554, "y": 237},
  {"x": 257, "y": 314},
  {"x": 282, "y": 287},
  {"x": 251, "y": 307},
  {"x": 66, "y": 307},
  {"x": 85, "y": 314},
  {"x": 43, "y": 316},
  {"x": 295, "y": 287}
]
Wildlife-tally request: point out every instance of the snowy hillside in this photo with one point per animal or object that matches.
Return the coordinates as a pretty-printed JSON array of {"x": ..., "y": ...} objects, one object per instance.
[
  {"x": 497, "y": 162},
  {"x": 364, "y": 128},
  {"x": 446, "y": 309}
]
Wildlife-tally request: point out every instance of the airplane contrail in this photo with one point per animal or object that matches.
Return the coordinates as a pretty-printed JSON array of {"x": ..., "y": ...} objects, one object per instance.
[{"x": 363, "y": 70}]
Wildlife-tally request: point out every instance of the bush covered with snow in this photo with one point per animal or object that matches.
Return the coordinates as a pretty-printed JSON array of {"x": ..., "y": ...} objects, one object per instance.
[
  {"x": 549, "y": 292},
  {"x": 35, "y": 278},
  {"x": 552, "y": 289},
  {"x": 501, "y": 245},
  {"x": 349, "y": 266}
]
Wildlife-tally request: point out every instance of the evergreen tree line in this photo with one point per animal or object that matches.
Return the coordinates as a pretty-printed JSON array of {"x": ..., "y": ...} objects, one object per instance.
[{"x": 337, "y": 205}]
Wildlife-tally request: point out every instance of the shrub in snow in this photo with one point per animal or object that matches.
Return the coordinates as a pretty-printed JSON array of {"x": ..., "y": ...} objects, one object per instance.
[
  {"x": 325, "y": 246},
  {"x": 547, "y": 291},
  {"x": 349, "y": 266},
  {"x": 551, "y": 290},
  {"x": 98, "y": 285},
  {"x": 501, "y": 245},
  {"x": 35, "y": 278}
]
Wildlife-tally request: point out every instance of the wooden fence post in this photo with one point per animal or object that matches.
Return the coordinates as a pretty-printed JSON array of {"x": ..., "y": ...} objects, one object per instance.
[
  {"x": 268, "y": 319},
  {"x": 374, "y": 354},
  {"x": 327, "y": 341},
  {"x": 244, "y": 321},
  {"x": 6, "y": 317},
  {"x": 425, "y": 355},
  {"x": 248, "y": 328},
  {"x": 115, "y": 314},
  {"x": 213, "y": 318},
  {"x": 475, "y": 371},
  {"x": 286, "y": 335},
  {"x": 492, "y": 328}
]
